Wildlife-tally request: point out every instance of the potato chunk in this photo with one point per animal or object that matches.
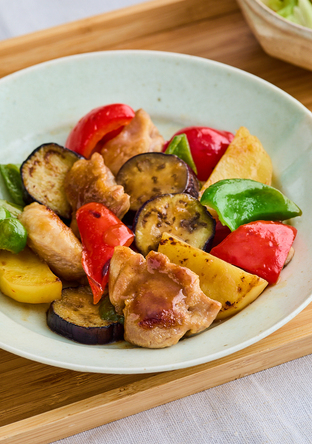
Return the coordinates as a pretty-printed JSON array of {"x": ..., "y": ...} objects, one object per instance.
[
  {"x": 245, "y": 158},
  {"x": 223, "y": 282},
  {"x": 26, "y": 278}
]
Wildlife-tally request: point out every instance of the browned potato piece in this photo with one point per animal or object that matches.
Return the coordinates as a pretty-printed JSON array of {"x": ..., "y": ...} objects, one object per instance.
[
  {"x": 233, "y": 287},
  {"x": 245, "y": 158}
]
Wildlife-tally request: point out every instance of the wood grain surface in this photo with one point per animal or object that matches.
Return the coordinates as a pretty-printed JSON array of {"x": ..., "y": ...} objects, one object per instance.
[
  {"x": 104, "y": 31},
  {"x": 40, "y": 403}
]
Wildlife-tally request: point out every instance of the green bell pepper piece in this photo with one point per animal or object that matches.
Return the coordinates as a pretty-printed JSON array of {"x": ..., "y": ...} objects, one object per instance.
[
  {"x": 181, "y": 148},
  {"x": 12, "y": 208},
  {"x": 13, "y": 236},
  {"x": 239, "y": 201},
  {"x": 12, "y": 179},
  {"x": 108, "y": 313},
  {"x": 4, "y": 213}
]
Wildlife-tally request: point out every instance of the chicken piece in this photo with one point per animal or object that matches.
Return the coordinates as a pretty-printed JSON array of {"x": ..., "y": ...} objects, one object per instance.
[
  {"x": 161, "y": 301},
  {"x": 91, "y": 181},
  {"x": 53, "y": 241},
  {"x": 139, "y": 136}
]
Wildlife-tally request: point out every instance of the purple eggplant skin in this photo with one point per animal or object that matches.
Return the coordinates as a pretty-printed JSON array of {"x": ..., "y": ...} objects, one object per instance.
[
  {"x": 208, "y": 245},
  {"x": 193, "y": 185},
  {"x": 85, "y": 335},
  {"x": 179, "y": 214},
  {"x": 148, "y": 175},
  {"x": 43, "y": 174},
  {"x": 128, "y": 218},
  {"x": 60, "y": 322}
]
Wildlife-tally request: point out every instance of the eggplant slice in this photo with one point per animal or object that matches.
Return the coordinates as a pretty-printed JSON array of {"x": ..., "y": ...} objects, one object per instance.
[
  {"x": 43, "y": 174},
  {"x": 76, "y": 317},
  {"x": 178, "y": 214},
  {"x": 149, "y": 175}
]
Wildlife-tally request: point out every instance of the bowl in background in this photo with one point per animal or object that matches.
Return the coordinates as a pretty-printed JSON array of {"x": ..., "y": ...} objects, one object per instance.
[{"x": 278, "y": 37}]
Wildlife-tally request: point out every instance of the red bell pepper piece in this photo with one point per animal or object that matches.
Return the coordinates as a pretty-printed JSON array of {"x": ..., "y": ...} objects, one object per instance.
[
  {"x": 207, "y": 147},
  {"x": 100, "y": 232},
  {"x": 260, "y": 248},
  {"x": 99, "y": 125}
]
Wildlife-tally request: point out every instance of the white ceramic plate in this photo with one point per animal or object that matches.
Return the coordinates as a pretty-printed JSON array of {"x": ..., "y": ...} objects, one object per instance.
[{"x": 42, "y": 103}]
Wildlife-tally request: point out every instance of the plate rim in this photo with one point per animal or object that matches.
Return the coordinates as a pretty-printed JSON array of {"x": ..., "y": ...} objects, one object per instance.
[{"x": 182, "y": 364}]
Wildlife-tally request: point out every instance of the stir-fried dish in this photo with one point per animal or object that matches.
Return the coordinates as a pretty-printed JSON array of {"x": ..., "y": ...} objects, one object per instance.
[{"x": 128, "y": 236}]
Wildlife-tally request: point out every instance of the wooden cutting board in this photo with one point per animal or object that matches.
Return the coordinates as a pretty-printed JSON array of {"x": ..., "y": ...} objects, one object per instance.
[{"x": 40, "y": 403}]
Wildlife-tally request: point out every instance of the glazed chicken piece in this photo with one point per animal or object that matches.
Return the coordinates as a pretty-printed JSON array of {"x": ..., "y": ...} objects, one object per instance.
[
  {"x": 161, "y": 301},
  {"x": 139, "y": 136},
  {"x": 91, "y": 181},
  {"x": 53, "y": 241}
]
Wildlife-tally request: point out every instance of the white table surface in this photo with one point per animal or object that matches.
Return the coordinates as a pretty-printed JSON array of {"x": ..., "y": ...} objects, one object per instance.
[{"x": 271, "y": 407}]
